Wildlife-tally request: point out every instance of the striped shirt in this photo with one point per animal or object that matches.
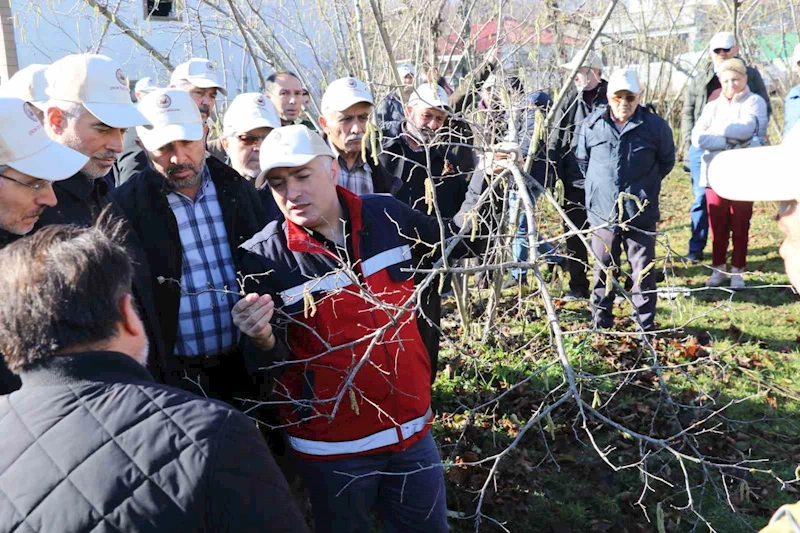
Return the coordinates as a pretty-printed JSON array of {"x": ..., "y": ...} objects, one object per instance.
[{"x": 205, "y": 325}]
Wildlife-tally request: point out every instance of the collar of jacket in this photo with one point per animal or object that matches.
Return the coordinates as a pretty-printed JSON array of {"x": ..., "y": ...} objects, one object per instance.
[
  {"x": 739, "y": 97},
  {"x": 300, "y": 240},
  {"x": 82, "y": 186},
  {"x": 635, "y": 120},
  {"x": 104, "y": 366},
  {"x": 6, "y": 238}
]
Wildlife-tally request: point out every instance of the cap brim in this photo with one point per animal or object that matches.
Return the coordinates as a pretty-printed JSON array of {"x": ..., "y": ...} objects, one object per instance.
[
  {"x": 155, "y": 138},
  {"x": 250, "y": 126},
  {"x": 754, "y": 174},
  {"x": 347, "y": 103},
  {"x": 205, "y": 83},
  {"x": 290, "y": 161},
  {"x": 117, "y": 115},
  {"x": 54, "y": 162}
]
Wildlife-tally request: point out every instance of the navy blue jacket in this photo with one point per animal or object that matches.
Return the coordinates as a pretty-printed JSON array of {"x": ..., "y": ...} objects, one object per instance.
[
  {"x": 633, "y": 161},
  {"x": 91, "y": 443}
]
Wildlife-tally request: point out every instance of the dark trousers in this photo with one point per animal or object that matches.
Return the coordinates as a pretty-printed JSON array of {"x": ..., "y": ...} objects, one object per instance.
[
  {"x": 431, "y": 308},
  {"x": 699, "y": 209},
  {"x": 220, "y": 377},
  {"x": 640, "y": 248},
  {"x": 575, "y": 208}
]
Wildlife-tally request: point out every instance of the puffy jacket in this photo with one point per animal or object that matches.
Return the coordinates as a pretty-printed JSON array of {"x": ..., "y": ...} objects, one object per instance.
[
  {"x": 695, "y": 98},
  {"x": 91, "y": 443},
  {"x": 563, "y": 138},
  {"x": 633, "y": 161},
  {"x": 722, "y": 121},
  {"x": 387, "y": 407},
  {"x": 450, "y": 165},
  {"x": 791, "y": 109}
]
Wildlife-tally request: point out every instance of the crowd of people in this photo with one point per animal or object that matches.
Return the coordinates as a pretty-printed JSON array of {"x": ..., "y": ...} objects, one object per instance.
[{"x": 166, "y": 281}]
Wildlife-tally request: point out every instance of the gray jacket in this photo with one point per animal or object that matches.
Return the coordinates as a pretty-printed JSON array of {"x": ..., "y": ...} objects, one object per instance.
[
  {"x": 633, "y": 161},
  {"x": 695, "y": 98}
]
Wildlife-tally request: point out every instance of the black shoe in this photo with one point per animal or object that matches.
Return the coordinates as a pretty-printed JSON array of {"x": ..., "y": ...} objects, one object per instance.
[
  {"x": 694, "y": 257},
  {"x": 575, "y": 296}
]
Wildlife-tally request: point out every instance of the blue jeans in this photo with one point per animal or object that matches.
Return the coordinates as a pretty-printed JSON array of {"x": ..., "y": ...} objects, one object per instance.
[
  {"x": 413, "y": 503},
  {"x": 698, "y": 211}
]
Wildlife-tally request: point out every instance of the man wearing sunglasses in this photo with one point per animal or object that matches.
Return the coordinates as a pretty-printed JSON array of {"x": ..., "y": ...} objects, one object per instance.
[
  {"x": 705, "y": 87},
  {"x": 624, "y": 153},
  {"x": 191, "y": 212},
  {"x": 29, "y": 164},
  {"x": 764, "y": 174},
  {"x": 248, "y": 120}
]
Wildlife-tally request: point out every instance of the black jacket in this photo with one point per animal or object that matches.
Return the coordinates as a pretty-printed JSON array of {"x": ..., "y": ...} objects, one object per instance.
[
  {"x": 450, "y": 165},
  {"x": 8, "y": 381},
  {"x": 144, "y": 202},
  {"x": 80, "y": 201},
  {"x": 91, "y": 443},
  {"x": 563, "y": 137},
  {"x": 132, "y": 160}
]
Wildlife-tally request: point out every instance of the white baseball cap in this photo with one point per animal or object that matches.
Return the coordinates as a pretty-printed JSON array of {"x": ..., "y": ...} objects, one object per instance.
[
  {"x": 796, "y": 55},
  {"x": 97, "y": 82},
  {"x": 173, "y": 116},
  {"x": 291, "y": 146},
  {"x": 247, "y": 112},
  {"x": 199, "y": 72},
  {"x": 28, "y": 84},
  {"x": 592, "y": 60},
  {"x": 145, "y": 85},
  {"x": 758, "y": 174},
  {"x": 25, "y": 147},
  {"x": 404, "y": 70},
  {"x": 624, "y": 79},
  {"x": 429, "y": 95},
  {"x": 343, "y": 93},
  {"x": 723, "y": 39}
]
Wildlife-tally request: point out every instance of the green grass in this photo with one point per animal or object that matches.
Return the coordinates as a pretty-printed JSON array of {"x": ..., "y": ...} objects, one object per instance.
[{"x": 740, "y": 348}]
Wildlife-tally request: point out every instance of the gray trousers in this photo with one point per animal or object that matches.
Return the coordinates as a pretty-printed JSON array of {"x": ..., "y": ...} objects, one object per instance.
[{"x": 641, "y": 250}]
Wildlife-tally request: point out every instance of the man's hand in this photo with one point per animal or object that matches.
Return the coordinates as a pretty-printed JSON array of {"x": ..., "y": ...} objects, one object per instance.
[{"x": 252, "y": 315}]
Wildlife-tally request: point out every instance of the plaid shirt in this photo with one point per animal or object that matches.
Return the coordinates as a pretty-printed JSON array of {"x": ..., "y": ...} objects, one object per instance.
[
  {"x": 357, "y": 180},
  {"x": 205, "y": 325}
]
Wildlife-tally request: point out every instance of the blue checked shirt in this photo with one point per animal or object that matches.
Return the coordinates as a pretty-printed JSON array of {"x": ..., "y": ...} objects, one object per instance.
[{"x": 205, "y": 326}]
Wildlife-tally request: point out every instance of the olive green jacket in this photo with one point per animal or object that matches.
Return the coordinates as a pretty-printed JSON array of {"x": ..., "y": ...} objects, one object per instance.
[{"x": 695, "y": 98}]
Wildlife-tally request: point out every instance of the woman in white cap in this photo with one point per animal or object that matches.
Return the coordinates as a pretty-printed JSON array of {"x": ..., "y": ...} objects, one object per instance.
[{"x": 738, "y": 119}]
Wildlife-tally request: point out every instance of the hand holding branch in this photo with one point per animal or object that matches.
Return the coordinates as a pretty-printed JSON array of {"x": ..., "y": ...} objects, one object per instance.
[{"x": 252, "y": 315}]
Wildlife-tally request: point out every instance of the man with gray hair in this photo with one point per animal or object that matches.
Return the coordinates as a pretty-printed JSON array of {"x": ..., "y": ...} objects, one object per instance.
[
  {"x": 248, "y": 120},
  {"x": 89, "y": 110},
  {"x": 703, "y": 88},
  {"x": 346, "y": 108}
]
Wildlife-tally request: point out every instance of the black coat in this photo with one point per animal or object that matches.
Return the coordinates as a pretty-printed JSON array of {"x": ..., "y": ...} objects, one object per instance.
[
  {"x": 80, "y": 201},
  {"x": 451, "y": 166},
  {"x": 144, "y": 202},
  {"x": 563, "y": 138},
  {"x": 8, "y": 381},
  {"x": 91, "y": 443},
  {"x": 132, "y": 160}
]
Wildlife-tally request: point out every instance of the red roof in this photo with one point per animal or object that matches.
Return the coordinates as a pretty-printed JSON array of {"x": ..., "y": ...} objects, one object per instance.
[{"x": 484, "y": 36}]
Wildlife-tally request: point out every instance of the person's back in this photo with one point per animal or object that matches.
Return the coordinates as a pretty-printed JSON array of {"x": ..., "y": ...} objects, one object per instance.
[{"x": 90, "y": 442}]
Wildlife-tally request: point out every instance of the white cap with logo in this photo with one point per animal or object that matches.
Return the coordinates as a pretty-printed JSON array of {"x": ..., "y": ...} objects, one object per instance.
[
  {"x": 429, "y": 95},
  {"x": 97, "y": 82},
  {"x": 291, "y": 146},
  {"x": 404, "y": 70},
  {"x": 343, "y": 93},
  {"x": 25, "y": 147},
  {"x": 200, "y": 73},
  {"x": 723, "y": 39},
  {"x": 624, "y": 79},
  {"x": 247, "y": 112},
  {"x": 145, "y": 85},
  {"x": 173, "y": 116},
  {"x": 766, "y": 173},
  {"x": 592, "y": 60},
  {"x": 28, "y": 84}
]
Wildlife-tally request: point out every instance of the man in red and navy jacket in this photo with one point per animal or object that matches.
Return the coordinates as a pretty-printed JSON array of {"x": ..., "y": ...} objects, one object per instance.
[{"x": 355, "y": 394}]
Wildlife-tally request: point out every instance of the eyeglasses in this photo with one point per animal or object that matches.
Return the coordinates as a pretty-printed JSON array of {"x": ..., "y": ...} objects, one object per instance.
[
  {"x": 718, "y": 51},
  {"x": 628, "y": 98},
  {"x": 250, "y": 140},
  {"x": 35, "y": 186}
]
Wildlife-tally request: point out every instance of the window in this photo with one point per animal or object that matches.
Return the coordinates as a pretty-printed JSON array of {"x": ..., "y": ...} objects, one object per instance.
[{"x": 160, "y": 9}]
